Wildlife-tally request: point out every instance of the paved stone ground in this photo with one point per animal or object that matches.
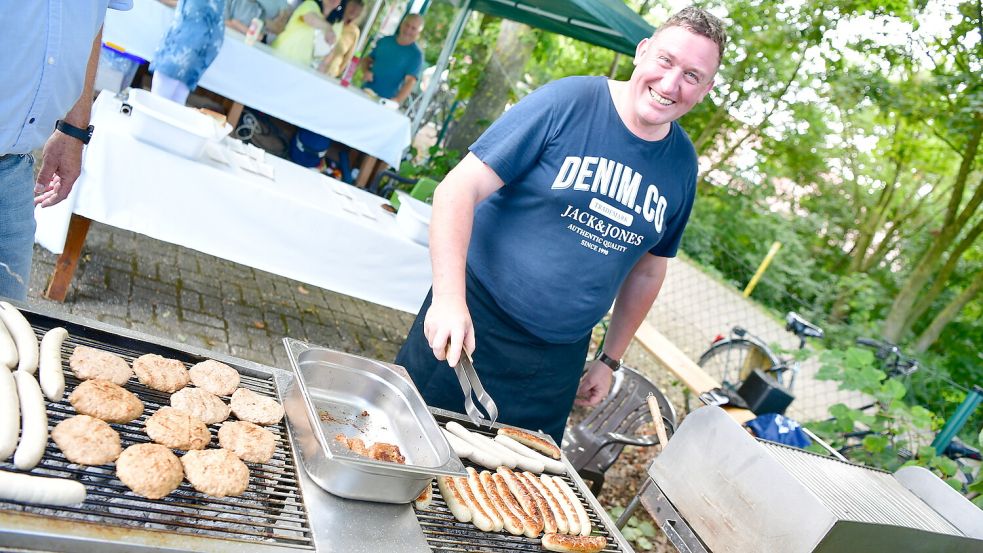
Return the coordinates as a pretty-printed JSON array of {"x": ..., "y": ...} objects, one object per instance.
[{"x": 132, "y": 281}]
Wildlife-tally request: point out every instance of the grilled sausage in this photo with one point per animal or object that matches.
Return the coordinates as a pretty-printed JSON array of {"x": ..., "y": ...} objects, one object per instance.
[
  {"x": 481, "y": 454},
  {"x": 573, "y": 520},
  {"x": 573, "y": 544},
  {"x": 23, "y": 335},
  {"x": 531, "y": 527},
  {"x": 541, "y": 507},
  {"x": 8, "y": 350},
  {"x": 512, "y": 522},
  {"x": 422, "y": 502},
  {"x": 549, "y": 465},
  {"x": 52, "y": 376},
  {"x": 530, "y": 440},
  {"x": 461, "y": 448},
  {"x": 452, "y": 496},
  {"x": 36, "y": 489},
  {"x": 559, "y": 517},
  {"x": 474, "y": 482},
  {"x": 9, "y": 414},
  {"x": 517, "y": 487},
  {"x": 479, "y": 516},
  {"x": 577, "y": 506},
  {"x": 34, "y": 421}
]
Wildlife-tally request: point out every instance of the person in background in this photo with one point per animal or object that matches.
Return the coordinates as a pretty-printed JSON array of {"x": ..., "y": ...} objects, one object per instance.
[
  {"x": 334, "y": 64},
  {"x": 572, "y": 200},
  {"x": 393, "y": 68},
  {"x": 188, "y": 48},
  {"x": 48, "y": 69},
  {"x": 274, "y": 14},
  {"x": 307, "y": 23}
]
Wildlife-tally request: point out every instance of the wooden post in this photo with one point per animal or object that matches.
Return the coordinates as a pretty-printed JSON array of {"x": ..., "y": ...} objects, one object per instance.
[{"x": 68, "y": 261}]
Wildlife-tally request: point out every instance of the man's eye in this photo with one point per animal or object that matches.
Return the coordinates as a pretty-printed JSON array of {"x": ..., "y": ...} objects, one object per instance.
[{"x": 692, "y": 78}]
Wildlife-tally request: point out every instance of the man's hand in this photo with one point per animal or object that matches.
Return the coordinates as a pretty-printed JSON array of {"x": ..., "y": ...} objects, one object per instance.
[
  {"x": 448, "y": 328},
  {"x": 595, "y": 385},
  {"x": 61, "y": 165}
]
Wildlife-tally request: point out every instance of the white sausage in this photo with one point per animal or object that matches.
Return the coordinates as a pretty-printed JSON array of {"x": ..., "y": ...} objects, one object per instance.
[
  {"x": 479, "y": 516},
  {"x": 36, "y": 489},
  {"x": 577, "y": 505},
  {"x": 9, "y": 414},
  {"x": 554, "y": 505},
  {"x": 573, "y": 520},
  {"x": 481, "y": 455},
  {"x": 8, "y": 350},
  {"x": 452, "y": 496},
  {"x": 23, "y": 335},
  {"x": 52, "y": 377},
  {"x": 474, "y": 482},
  {"x": 508, "y": 457},
  {"x": 34, "y": 422},
  {"x": 511, "y": 521},
  {"x": 550, "y": 465},
  {"x": 461, "y": 448}
]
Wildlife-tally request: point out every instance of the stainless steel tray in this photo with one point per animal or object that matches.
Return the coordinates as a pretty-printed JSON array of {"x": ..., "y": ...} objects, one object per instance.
[{"x": 338, "y": 393}]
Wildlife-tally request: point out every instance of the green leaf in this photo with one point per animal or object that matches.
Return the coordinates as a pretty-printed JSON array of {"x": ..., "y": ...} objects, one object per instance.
[
  {"x": 955, "y": 484},
  {"x": 615, "y": 512},
  {"x": 981, "y": 437},
  {"x": 977, "y": 487},
  {"x": 921, "y": 417},
  {"x": 631, "y": 533},
  {"x": 947, "y": 466},
  {"x": 875, "y": 443},
  {"x": 644, "y": 543},
  {"x": 647, "y": 528},
  {"x": 927, "y": 452},
  {"x": 857, "y": 358}
]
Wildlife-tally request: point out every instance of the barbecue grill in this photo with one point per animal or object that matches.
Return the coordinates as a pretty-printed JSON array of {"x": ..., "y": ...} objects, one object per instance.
[
  {"x": 717, "y": 489},
  {"x": 283, "y": 509}
]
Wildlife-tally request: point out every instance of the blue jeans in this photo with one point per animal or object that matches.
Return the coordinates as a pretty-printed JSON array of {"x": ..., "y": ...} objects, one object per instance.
[{"x": 16, "y": 224}]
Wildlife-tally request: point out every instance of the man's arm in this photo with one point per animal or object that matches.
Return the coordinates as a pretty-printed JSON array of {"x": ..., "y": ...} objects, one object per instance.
[
  {"x": 404, "y": 91},
  {"x": 634, "y": 300},
  {"x": 448, "y": 321},
  {"x": 237, "y": 25},
  {"x": 61, "y": 159}
]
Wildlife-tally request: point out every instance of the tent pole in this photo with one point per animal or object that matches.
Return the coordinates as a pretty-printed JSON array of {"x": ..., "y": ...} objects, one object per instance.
[{"x": 455, "y": 34}]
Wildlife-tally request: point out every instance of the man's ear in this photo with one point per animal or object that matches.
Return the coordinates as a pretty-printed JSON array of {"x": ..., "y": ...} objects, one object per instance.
[{"x": 640, "y": 50}]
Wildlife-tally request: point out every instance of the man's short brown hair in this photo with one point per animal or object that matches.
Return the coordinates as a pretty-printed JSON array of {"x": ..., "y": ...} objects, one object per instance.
[{"x": 701, "y": 22}]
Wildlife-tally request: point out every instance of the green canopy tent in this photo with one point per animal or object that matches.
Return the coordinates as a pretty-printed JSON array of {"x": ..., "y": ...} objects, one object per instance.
[{"x": 607, "y": 23}]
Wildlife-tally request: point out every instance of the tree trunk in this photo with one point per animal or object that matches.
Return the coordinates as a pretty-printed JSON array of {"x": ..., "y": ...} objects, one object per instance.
[
  {"x": 955, "y": 220},
  {"x": 932, "y": 332},
  {"x": 494, "y": 90}
]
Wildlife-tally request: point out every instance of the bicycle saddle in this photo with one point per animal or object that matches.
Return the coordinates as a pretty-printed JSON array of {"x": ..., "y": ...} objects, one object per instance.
[{"x": 802, "y": 327}]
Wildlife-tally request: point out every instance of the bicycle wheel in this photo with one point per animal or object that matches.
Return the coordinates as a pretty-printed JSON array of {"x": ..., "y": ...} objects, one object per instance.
[{"x": 731, "y": 361}]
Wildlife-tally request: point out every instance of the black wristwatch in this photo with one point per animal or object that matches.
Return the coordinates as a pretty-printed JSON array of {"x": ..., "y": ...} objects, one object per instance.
[
  {"x": 83, "y": 135},
  {"x": 615, "y": 364}
]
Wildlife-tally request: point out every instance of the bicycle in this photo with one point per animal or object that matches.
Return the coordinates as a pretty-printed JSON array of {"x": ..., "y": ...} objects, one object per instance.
[{"x": 732, "y": 359}]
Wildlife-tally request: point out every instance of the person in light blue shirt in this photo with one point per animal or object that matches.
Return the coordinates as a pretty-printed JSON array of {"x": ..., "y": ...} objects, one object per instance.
[
  {"x": 394, "y": 66},
  {"x": 50, "y": 53},
  {"x": 191, "y": 44}
]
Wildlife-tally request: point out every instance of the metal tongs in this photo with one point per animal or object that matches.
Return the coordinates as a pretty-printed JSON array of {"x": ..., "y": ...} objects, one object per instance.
[{"x": 469, "y": 382}]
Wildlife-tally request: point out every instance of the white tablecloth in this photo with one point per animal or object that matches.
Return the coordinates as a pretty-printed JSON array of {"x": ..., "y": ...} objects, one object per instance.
[
  {"x": 303, "y": 225},
  {"x": 255, "y": 77}
]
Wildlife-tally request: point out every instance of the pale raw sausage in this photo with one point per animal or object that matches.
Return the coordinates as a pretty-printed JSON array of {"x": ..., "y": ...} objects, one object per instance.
[
  {"x": 461, "y": 448},
  {"x": 8, "y": 350},
  {"x": 34, "y": 421},
  {"x": 577, "y": 505},
  {"x": 52, "y": 376},
  {"x": 36, "y": 489},
  {"x": 481, "y": 454},
  {"x": 23, "y": 335},
  {"x": 9, "y": 414}
]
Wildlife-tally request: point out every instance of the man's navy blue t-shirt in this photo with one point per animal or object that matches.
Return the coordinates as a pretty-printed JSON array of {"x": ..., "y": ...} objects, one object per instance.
[{"x": 584, "y": 199}]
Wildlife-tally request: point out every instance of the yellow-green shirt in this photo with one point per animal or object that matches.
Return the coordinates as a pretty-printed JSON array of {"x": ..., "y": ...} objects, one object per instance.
[{"x": 296, "y": 42}]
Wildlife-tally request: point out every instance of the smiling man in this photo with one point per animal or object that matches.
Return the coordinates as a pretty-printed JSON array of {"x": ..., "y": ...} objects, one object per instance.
[{"x": 572, "y": 200}]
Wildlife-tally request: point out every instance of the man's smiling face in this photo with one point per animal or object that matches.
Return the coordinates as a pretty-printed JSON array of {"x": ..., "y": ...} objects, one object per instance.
[{"x": 674, "y": 70}]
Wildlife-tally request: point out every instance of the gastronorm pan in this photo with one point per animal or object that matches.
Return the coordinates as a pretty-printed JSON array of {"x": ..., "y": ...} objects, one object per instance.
[{"x": 335, "y": 393}]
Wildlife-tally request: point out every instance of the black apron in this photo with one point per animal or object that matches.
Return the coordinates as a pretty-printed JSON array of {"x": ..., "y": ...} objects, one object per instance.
[{"x": 533, "y": 382}]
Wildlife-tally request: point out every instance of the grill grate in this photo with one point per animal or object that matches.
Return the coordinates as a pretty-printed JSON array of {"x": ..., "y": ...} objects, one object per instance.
[
  {"x": 270, "y": 512},
  {"x": 445, "y": 534}
]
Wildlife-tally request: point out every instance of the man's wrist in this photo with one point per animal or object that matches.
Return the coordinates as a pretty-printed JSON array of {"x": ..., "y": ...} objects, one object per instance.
[
  {"x": 614, "y": 364},
  {"x": 83, "y": 135}
]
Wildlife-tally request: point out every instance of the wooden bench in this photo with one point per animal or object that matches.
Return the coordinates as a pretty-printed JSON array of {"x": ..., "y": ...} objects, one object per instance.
[{"x": 688, "y": 372}]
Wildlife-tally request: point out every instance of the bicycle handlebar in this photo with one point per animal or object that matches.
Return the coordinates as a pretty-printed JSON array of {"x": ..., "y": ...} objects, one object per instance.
[{"x": 902, "y": 364}]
